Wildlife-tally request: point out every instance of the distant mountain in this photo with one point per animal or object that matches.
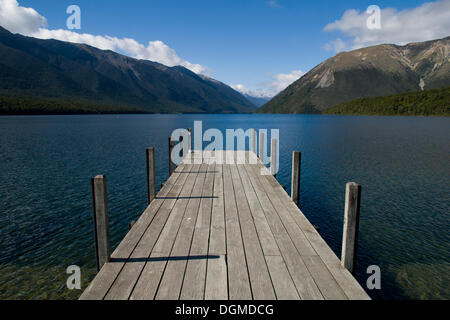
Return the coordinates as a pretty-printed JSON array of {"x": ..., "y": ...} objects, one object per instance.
[
  {"x": 51, "y": 69},
  {"x": 369, "y": 72},
  {"x": 257, "y": 101}
]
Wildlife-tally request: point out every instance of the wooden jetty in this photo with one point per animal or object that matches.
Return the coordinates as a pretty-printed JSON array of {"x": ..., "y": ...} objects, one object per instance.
[{"x": 223, "y": 229}]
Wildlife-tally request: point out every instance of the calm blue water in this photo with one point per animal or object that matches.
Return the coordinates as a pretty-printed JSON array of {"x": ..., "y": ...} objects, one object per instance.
[{"x": 402, "y": 163}]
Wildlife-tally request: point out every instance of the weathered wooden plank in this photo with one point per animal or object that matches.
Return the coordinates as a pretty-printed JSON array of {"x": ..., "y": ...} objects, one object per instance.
[
  {"x": 194, "y": 279},
  {"x": 306, "y": 287},
  {"x": 217, "y": 243},
  {"x": 324, "y": 279},
  {"x": 283, "y": 284},
  {"x": 169, "y": 233},
  {"x": 266, "y": 237},
  {"x": 129, "y": 275},
  {"x": 98, "y": 288},
  {"x": 126, "y": 280},
  {"x": 172, "y": 279},
  {"x": 343, "y": 277},
  {"x": 348, "y": 283},
  {"x": 296, "y": 234},
  {"x": 261, "y": 284},
  {"x": 216, "y": 279},
  {"x": 315, "y": 266},
  {"x": 150, "y": 277},
  {"x": 216, "y": 287},
  {"x": 238, "y": 279}
]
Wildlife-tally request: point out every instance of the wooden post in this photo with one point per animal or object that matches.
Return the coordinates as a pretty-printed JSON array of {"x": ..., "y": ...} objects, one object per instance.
[
  {"x": 182, "y": 153},
  {"x": 351, "y": 225},
  {"x": 151, "y": 177},
  {"x": 101, "y": 230},
  {"x": 189, "y": 140},
  {"x": 254, "y": 141},
  {"x": 296, "y": 175},
  {"x": 273, "y": 157},
  {"x": 171, "y": 164},
  {"x": 261, "y": 146},
  {"x": 131, "y": 225}
]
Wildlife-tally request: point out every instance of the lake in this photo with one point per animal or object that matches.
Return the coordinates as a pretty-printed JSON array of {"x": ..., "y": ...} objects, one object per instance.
[{"x": 402, "y": 163}]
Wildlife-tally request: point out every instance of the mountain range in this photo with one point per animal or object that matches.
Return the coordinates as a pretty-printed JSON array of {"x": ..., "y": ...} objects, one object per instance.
[
  {"x": 51, "y": 69},
  {"x": 257, "y": 101},
  {"x": 51, "y": 76},
  {"x": 380, "y": 70}
]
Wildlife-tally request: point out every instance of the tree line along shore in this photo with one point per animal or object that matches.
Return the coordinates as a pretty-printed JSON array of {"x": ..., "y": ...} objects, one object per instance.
[{"x": 433, "y": 102}]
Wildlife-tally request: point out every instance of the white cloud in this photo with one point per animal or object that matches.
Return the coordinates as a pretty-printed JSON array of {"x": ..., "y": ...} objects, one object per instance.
[
  {"x": 19, "y": 19},
  {"x": 269, "y": 89},
  {"x": 429, "y": 21},
  {"x": 28, "y": 22},
  {"x": 259, "y": 93},
  {"x": 337, "y": 45},
  {"x": 282, "y": 80},
  {"x": 156, "y": 51}
]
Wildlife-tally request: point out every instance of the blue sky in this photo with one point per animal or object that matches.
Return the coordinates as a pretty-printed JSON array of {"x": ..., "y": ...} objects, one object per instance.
[{"x": 238, "y": 42}]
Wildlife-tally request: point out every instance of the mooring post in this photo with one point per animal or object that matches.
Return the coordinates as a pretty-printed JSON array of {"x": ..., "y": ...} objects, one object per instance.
[
  {"x": 254, "y": 141},
  {"x": 151, "y": 177},
  {"x": 274, "y": 157},
  {"x": 101, "y": 230},
  {"x": 351, "y": 225},
  {"x": 182, "y": 152},
  {"x": 189, "y": 140},
  {"x": 171, "y": 164},
  {"x": 296, "y": 175},
  {"x": 261, "y": 146}
]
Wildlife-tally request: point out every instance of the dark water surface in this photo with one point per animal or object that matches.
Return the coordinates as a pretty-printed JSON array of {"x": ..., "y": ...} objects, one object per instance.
[{"x": 46, "y": 163}]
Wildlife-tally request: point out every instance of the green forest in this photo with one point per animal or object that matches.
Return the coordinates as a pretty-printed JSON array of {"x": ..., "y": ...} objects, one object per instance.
[
  {"x": 20, "y": 105},
  {"x": 434, "y": 102}
]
